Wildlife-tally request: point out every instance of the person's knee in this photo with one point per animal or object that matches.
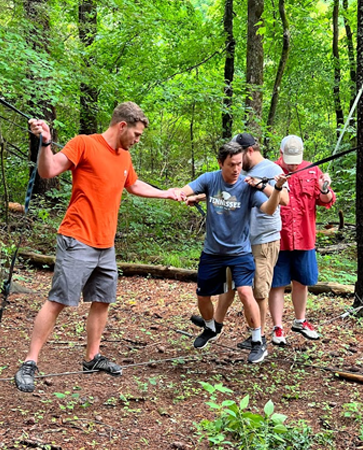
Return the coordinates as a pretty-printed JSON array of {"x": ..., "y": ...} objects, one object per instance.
[
  {"x": 100, "y": 306},
  {"x": 245, "y": 294},
  {"x": 54, "y": 307},
  {"x": 203, "y": 300},
  {"x": 298, "y": 285}
]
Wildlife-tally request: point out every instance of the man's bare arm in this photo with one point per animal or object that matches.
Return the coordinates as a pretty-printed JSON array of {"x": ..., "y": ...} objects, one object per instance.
[
  {"x": 268, "y": 190},
  {"x": 273, "y": 202}
]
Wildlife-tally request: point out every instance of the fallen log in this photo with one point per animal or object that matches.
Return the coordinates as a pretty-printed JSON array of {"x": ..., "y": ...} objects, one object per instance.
[
  {"x": 326, "y": 288},
  {"x": 334, "y": 248},
  {"x": 159, "y": 271},
  {"x": 37, "y": 259}
]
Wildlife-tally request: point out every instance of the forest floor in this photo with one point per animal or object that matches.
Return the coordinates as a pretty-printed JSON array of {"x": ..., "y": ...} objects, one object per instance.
[{"x": 159, "y": 400}]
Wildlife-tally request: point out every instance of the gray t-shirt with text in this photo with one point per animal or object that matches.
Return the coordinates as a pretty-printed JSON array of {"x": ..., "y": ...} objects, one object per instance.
[{"x": 228, "y": 213}]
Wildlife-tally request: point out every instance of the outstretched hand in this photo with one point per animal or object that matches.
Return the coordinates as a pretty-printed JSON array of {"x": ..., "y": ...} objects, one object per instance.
[{"x": 175, "y": 194}]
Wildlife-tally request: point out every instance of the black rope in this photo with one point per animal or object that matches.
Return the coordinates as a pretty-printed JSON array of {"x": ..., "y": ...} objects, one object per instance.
[
  {"x": 327, "y": 159},
  {"x": 8, "y": 105},
  {"x": 23, "y": 155},
  {"x": 15, "y": 124},
  {"x": 265, "y": 180},
  {"x": 85, "y": 372},
  {"x": 5, "y": 291}
]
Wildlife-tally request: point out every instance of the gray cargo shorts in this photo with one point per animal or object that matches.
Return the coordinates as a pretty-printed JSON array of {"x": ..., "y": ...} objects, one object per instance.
[{"x": 80, "y": 268}]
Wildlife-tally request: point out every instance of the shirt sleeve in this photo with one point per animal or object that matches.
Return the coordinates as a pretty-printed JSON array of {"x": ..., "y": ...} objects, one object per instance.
[
  {"x": 257, "y": 198},
  {"x": 200, "y": 185},
  {"x": 74, "y": 150},
  {"x": 131, "y": 176}
]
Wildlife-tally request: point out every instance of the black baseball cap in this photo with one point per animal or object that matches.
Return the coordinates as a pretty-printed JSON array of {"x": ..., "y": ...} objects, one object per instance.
[{"x": 245, "y": 140}]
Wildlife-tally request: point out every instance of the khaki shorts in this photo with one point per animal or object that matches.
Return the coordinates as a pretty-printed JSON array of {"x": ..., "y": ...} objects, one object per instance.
[
  {"x": 265, "y": 256},
  {"x": 80, "y": 269}
]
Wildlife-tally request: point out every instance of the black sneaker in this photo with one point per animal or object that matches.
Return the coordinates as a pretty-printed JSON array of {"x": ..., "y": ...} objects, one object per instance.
[
  {"x": 199, "y": 322},
  {"x": 208, "y": 335},
  {"x": 102, "y": 363},
  {"x": 24, "y": 377},
  {"x": 258, "y": 352},
  {"x": 246, "y": 344}
]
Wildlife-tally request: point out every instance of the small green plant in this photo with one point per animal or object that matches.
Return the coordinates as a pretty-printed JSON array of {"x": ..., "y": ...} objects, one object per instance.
[
  {"x": 237, "y": 427},
  {"x": 112, "y": 401},
  {"x": 71, "y": 399},
  {"x": 354, "y": 410}
]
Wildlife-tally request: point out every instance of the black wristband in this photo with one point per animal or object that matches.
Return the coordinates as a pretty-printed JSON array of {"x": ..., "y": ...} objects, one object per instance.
[
  {"x": 325, "y": 192},
  {"x": 45, "y": 144},
  {"x": 263, "y": 185},
  {"x": 278, "y": 188}
]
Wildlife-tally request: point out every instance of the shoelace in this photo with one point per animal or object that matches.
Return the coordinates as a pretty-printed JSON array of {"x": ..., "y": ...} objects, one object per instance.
[
  {"x": 306, "y": 324},
  {"x": 29, "y": 370},
  {"x": 279, "y": 331}
]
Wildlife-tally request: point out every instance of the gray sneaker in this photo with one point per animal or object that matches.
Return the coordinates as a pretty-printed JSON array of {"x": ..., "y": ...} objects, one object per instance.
[
  {"x": 101, "y": 363},
  {"x": 24, "y": 377},
  {"x": 306, "y": 329},
  {"x": 247, "y": 343},
  {"x": 258, "y": 352}
]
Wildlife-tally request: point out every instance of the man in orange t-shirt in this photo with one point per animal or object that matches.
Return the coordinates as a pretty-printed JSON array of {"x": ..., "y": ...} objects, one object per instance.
[{"x": 85, "y": 261}]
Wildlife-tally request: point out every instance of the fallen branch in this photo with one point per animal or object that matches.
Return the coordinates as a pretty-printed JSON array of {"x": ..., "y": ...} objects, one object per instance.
[
  {"x": 159, "y": 271},
  {"x": 334, "y": 248}
]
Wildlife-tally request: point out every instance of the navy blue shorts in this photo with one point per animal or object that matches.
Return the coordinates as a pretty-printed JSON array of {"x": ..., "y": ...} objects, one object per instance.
[
  {"x": 296, "y": 265},
  {"x": 212, "y": 272}
]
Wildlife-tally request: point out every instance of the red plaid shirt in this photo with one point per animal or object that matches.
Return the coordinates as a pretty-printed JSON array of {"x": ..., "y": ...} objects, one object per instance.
[{"x": 299, "y": 216}]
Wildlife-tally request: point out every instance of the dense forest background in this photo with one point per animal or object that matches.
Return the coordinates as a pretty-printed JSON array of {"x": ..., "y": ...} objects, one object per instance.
[{"x": 201, "y": 70}]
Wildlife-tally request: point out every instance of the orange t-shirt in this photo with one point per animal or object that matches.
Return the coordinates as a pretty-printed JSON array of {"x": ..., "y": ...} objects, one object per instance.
[{"x": 99, "y": 175}]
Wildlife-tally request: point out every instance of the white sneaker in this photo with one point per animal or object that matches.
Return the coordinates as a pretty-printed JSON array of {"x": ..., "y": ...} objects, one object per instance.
[
  {"x": 278, "y": 336},
  {"x": 306, "y": 329}
]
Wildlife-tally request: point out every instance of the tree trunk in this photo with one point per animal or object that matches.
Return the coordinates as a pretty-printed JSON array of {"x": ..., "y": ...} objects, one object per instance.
[
  {"x": 254, "y": 68},
  {"x": 336, "y": 89},
  {"x": 352, "y": 62},
  {"x": 359, "y": 170},
  {"x": 37, "y": 13},
  {"x": 87, "y": 29},
  {"x": 227, "y": 116},
  {"x": 280, "y": 70}
]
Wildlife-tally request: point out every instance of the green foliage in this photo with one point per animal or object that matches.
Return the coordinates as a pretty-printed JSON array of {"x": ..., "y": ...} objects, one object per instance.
[
  {"x": 71, "y": 400},
  {"x": 158, "y": 231},
  {"x": 354, "y": 410},
  {"x": 337, "y": 268},
  {"x": 169, "y": 57},
  {"x": 237, "y": 427}
]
